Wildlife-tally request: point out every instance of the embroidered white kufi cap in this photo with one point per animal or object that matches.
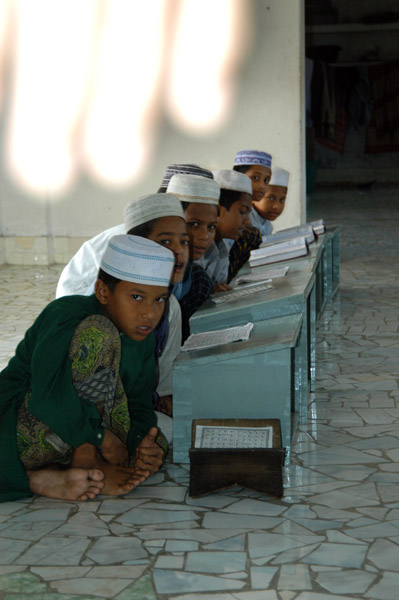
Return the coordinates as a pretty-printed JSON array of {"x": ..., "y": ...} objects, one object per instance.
[
  {"x": 194, "y": 188},
  {"x": 152, "y": 206},
  {"x": 233, "y": 180},
  {"x": 139, "y": 260}
]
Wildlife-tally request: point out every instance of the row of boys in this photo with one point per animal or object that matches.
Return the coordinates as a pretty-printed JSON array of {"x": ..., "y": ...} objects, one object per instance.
[{"x": 77, "y": 400}]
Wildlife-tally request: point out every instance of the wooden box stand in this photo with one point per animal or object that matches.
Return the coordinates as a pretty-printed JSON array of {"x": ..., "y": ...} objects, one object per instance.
[{"x": 214, "y": 469}]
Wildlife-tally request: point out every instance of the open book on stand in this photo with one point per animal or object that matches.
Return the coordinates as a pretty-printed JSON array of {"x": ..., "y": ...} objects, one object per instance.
[
  {"x": 231, "y": 452},
  {"x": 209, "y": 339},
  {"x": 286, "y": 234},
  {"x": 272, "y": 253},
  {"x": 264, "y": 275},
  {"x": 241, "y": 292}
]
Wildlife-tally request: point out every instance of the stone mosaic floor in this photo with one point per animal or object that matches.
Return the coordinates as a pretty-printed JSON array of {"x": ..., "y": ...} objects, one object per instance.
[{"x": 334, "y": 535}]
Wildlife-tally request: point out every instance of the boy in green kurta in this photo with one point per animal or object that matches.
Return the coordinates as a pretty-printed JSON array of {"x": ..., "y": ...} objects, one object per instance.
[{"x": 76, "y": 416}]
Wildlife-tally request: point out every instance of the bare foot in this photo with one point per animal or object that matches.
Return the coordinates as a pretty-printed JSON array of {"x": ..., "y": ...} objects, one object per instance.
[
  {"x": 84, "y": 456},
  {"x": 114, "y": 450},
  {"x": 66, "y": 484},
  {"x": 118, "y": 480}
]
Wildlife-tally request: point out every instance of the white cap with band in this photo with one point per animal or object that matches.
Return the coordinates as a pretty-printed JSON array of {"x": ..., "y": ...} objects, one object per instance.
[
  {"x": 152, "y": 206},
  {"x": 138, "y": 260},
  {"x": 194, "y": 188}
]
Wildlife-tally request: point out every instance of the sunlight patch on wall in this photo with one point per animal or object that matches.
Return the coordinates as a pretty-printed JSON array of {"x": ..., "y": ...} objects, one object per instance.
[{"x": 90, "y": 82}]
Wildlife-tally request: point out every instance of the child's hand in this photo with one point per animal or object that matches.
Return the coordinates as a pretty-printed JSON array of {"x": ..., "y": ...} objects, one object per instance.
[
  {"x": 149, "y": 455},
  {"x": 114, "y": 450},
  {"x": 248, "y": 228},
  {"x": 222, "y": 287}
]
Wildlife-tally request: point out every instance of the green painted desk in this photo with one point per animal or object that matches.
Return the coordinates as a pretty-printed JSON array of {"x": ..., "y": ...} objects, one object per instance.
[
  {"x": 317, "y": 263},
  {"x": 320, "y": 265},
  {"x": 332, "y": 262},
  {"x": 311, "y": 260},
  {"x": 293, "y": 294},
  {"x": 324, "y": 258},
  {"x": 250, "y": 379}
]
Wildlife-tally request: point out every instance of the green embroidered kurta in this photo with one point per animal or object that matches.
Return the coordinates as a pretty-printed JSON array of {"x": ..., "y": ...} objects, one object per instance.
[{"x": 42, "y": 364}]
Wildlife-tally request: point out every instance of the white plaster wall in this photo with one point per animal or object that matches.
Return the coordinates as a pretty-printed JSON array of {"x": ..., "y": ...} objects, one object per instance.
[{"x": 268, "y": 115}]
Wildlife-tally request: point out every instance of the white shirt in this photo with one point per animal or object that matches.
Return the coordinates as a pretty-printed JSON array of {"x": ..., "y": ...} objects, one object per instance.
[
  {"x": 79, "y": 277},
  {"x": 265, "y": 227},
  {"x": 80, "y": 274},
  {"x": 215, "y": 261},
  {"x": 229, "y": 243}
]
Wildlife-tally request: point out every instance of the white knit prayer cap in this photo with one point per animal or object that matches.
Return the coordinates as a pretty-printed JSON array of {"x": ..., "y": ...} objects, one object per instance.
[
  {"x": 149, "y": 207},
  {"x": 279, "y": 177},
  {"x": 194, "y": 188},
  {"x": 139, "y": 260},
  {"x": 233, "y": 180}
]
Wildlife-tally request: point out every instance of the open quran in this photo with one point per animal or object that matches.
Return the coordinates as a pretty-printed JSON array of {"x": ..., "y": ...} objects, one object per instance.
[
  {"x": 285, "y": 234},
  {"x": 209, "y": 339},
  {"x": 241, "y": 292},
  {"x": 285, "y": 250},
  {"x": 214, "y": 436},
  {"x": 264, "y": 276},
  {"x": 228, "y": 452}
]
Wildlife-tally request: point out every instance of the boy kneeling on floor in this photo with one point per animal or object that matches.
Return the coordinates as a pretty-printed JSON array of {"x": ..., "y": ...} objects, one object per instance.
[{"x": 76, "y": 416}]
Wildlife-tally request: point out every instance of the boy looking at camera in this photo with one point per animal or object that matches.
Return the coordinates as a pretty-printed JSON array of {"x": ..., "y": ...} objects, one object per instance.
[{"x": 76, "y": 415}]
